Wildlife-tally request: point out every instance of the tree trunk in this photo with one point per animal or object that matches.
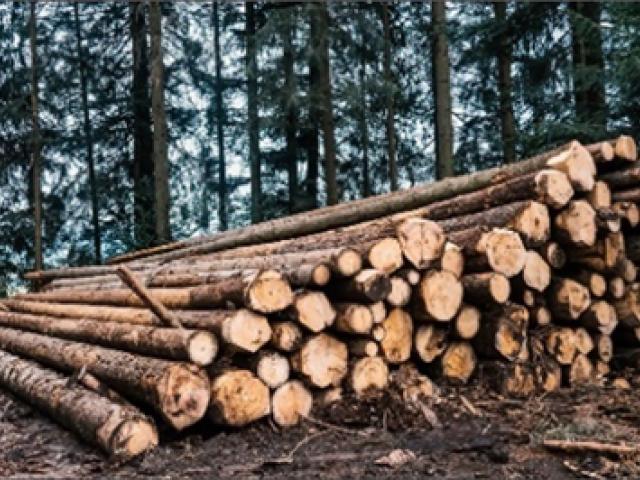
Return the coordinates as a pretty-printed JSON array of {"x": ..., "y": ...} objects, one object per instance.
[
  {"x": 442, "y": 91},
  {"x": 588, "y": 67},
  {"x": 238, "y": 398},
  {"x": 363, "y": 126},
  {"x": 312, "y": 310},
  {"x": 144, "y": 211},
  {"x": 36, "y": 164},
  {"x": 368, "y": 374},
  {"x": 389, "y": 92},
  {"x": 289, "y": 106},
  {"x": 322, "y": 360},
  {"x": 120, "y": 430},
  {"x": 290, "y": 402},
  {"x": 220, "y": 121},
  {"x": 253, "y": 126},
  {"x": 398, "y": 338},
  {"x": 504, "y": 47},
  {"x": 88, "y": 138},
  {"x": 178, "y": 391},
  {"x": 172, "y": 343},
  {"x": 320, "y": 45}
]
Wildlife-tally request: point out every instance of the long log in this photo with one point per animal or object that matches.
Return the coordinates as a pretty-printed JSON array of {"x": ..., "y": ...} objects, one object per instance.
[
  {"x": 572, "y": 159},
  {"x": 178, "y": 391},
  {"x": 120, "y": 430},
  {"x": 194, "y": 346},
  {"x": 500, "y": 250}
]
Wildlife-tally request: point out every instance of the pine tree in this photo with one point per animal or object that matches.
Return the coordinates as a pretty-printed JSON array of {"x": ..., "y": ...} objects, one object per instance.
[
  {"x": 36, "y": 164},
  {"x": 252, "y": 112}
]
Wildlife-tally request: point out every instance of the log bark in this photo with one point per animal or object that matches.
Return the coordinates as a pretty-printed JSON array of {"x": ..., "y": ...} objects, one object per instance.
[
  {"x": 573, "y": 159},
  {"x": 629, "y": 195},
  {"x": 622, "y": 178},
  {"x": 266, "y": 292},
  {"x": 238, "y": 398},
  {"x": 576, "y": 225},
  {"x": 290, "y": 403},
  {"x": 286, "y": 336},
  {"x": 398, "y": 338},
  {"x": 177, "y": 344},
  {"x": 458, "y": 362},
  {"x": 561, "y": 345},
  {"x": 503, "y": 332},
  {"x": 120, "y": 430},
  {"x": 568, "y": 299},
  {"x": 368, "y": 286},
  {"x": 353, "y": 318},
  {"x": 368, "y": 374},
  {"x": 553, "y": 253},
  {"x": 178, "y": 391},
  {"x": 483, "y": 288},
  {"x": 439, "y": 297},
  {"x": 430, "y": 342},
  {"x": 311, "y": 310},
  {"x": 322, "y": 361}
]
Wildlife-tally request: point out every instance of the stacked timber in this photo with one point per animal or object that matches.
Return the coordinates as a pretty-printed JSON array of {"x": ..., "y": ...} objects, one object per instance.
[{"x": 523, "y": 275}]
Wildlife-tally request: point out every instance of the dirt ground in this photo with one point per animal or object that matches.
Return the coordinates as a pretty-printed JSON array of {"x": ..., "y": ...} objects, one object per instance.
[{"x": 465, "y": 433}]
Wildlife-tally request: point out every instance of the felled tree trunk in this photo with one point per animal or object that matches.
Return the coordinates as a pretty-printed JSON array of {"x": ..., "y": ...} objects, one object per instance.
[
  {"x": 322, "y": 361},
  {"x": 238, "y": 398},
  {"x": 120, "y": 430},
  {"x": 290, "y": 402}
]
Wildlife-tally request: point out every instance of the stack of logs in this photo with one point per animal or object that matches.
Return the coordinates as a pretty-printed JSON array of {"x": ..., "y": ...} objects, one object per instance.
[{"x": 523, "y": 275}]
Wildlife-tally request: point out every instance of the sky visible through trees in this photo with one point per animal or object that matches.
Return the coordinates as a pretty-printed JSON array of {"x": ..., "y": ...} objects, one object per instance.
[{"x": 141, "y": 122}]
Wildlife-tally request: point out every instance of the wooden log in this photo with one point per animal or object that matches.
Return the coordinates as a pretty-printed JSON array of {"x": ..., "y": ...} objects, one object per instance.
[
  {"x": 368, "y": 374},
  {"x": 580, "y": 371},
  {"x": 400, "y": 292},
  {"x": 194, "y": 346},
  {"x": 482, "y": 288},
  {"x": 311, "y": 310},
  {"x": 598, "y": 447},
  {"x": 625, "y": 148},
  {"x": 633, "y": 247},
  {"x": 622, "y": 178},
  {"x": 603, "y": 348},
  {"x": 363, "y": 347},
  {"x": 595, "y": 282},
  {"x": 322, "y": 361},
  {"x": 467, "y": 323},
  {"x": 120, "y": 430},
  {"x": 568, "y": 299},
  {"x": 286, "y": 336},
  {"x": 628, "y": 213},
  {"x": 368, "y": 286},
  {"x": 502, "y": 332},
  {"x": 576, "y": 224},
  {"x": 499, "y": 250},
  {"x": 510, "y": 379},
  {"x": 240, "y": 330},
  {"x": 353, "y": 318},
  {"x": 548, "y": 374},
  {"x": 601, "y": 317},
  {"x": 608, "y": 220},
  {"x": 529, "y": 219},
  {"x": 378, "y": 332},
  {"x": 601, "y": 152},
  {"x": 430, "y": 342},
  {"x": 178, "y": 391},
  {"x": 422, "y": 241},
  {"x": 290, "y": 403},
  {"x": 415, "y": 387},
  {"x": 584, "y": 342},
  {"x": 601, "y": 369},
  {"x": 629, "y": 195},
  {"x": 439, "y": 297},
  {"x": 600, "y": 196},
  {"x": 540, "y": 316},
  {"x": 554, "y": 255},
  {"x": 378, "y": 312},
  {"x": 452, "y": 260},
  {"x": 238, "y": 398},
  {"x": 561, "y": 345},
  {"x": 536, "y": 273},
  {"x": 398, "y": 336},
  {"x": 272, "y": 368},
  {"x": 411, "y": 275},
  {"x": 384, "y": 255},
  {"x": 616, "y": 287},
  {"x": 573, "y": 159},
  {"x": 628, "y": 307},
  {"x": 265, "y": 292},
  {"x": 458, "y": 362}
]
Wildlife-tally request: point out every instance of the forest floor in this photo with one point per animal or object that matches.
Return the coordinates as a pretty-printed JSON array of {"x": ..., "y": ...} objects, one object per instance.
[{"x": 464, "y": 433}]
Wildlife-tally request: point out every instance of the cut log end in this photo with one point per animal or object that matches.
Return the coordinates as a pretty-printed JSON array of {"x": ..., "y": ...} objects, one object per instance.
[
  {"x": 554, "y": 255},
  {"x": 569, "y": 299},
  {"x": 286, "y": 336},
  {"x": 625, "y": 148},
  {"x": 246, "y": 331},
  {"x": 577, "y": 225},
  {"x": 482, "y": 288},
  {"x": 353, "y": 318},
  {"x": 452, "y": 260},
  {"x": 561, "y": 344},
  {"x": 458, "y": 362},
  {"x": 273, "y": 369},
  {"x": 600, "y": 196},
  {"x": 348, "y": 262},
  {"x": 533, "y": 224},
  {"x": 577, "y": 164},
  {"x": 313, "y": 310},
  {"x": 536, "y": 272},
  {"x": 269, "y": 293},
  {"x": 422, "y": 241},
  {"x": 202, "y": 348},
  {"x": 291, "y": 402},
  {"x": 553, "y": 188},
  {"x": 467, "y": 322},
  {"x": 238, "y": 398},
  {"x": 386, "y": 255},
  {"x": 505, "y": 251},
  {"x": 398, "y": 336},
  {"x": 400, "y": 293},
  {"x": 184, "y": 395},
  {"x": 322, "y": 360},
  {"x": 378, "y": 312},
  {"x": 321, "y": 275},
  {"x": 430, "y": 342},
  {"x": 133, "y": 438},
  {"x": 441, "y": 293},
  {"x": 369, "y": 374}
]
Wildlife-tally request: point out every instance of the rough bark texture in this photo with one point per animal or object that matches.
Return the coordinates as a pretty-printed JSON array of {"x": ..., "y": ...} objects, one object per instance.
[
  {"x": 120, "y": 430},
  {"x": 252, "y": 113},
  {"x": 504, "y": 50}
]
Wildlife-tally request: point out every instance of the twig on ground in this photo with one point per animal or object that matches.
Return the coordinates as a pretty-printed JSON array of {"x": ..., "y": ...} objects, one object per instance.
[{"x": 590, "y": 446}]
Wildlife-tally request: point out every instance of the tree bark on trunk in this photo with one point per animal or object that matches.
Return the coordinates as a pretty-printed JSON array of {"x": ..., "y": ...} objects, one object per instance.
[
  {"x": 389, "y": 90},
  {"x": 220, "y": 120},
  {"x": 289, "y": 104},
  {"x": 178, "y": 391},
  {"x": 504, "y": 53},
  {"x": 362, "y": 78},
  {"x": 160, "y": 156},
  {"x": 144, "y": 211},
  {"x": 120, "y": 430},
  {"x": 88, "y": 138},
  {"x": 442, "y": 91},
  {"x": 252, "y": 113},
  {"x": 36, "y": 164}
]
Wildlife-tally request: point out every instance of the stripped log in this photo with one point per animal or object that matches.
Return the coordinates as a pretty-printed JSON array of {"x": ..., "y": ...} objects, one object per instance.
[
  {"x": 177, "y": 344},
  {"x": 238, "y": 398},
  {"x": 120, "y": 430},
  {"x": 178, "y": 391},
  {"x": 291, "y": 402}
]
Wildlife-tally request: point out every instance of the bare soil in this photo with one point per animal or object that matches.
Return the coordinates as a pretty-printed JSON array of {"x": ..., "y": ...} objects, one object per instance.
[{"x": 465, "y": 433}]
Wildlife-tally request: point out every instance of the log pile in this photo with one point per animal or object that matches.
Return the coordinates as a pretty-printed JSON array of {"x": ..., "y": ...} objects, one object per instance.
[{"x": 523, "y": 275}]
